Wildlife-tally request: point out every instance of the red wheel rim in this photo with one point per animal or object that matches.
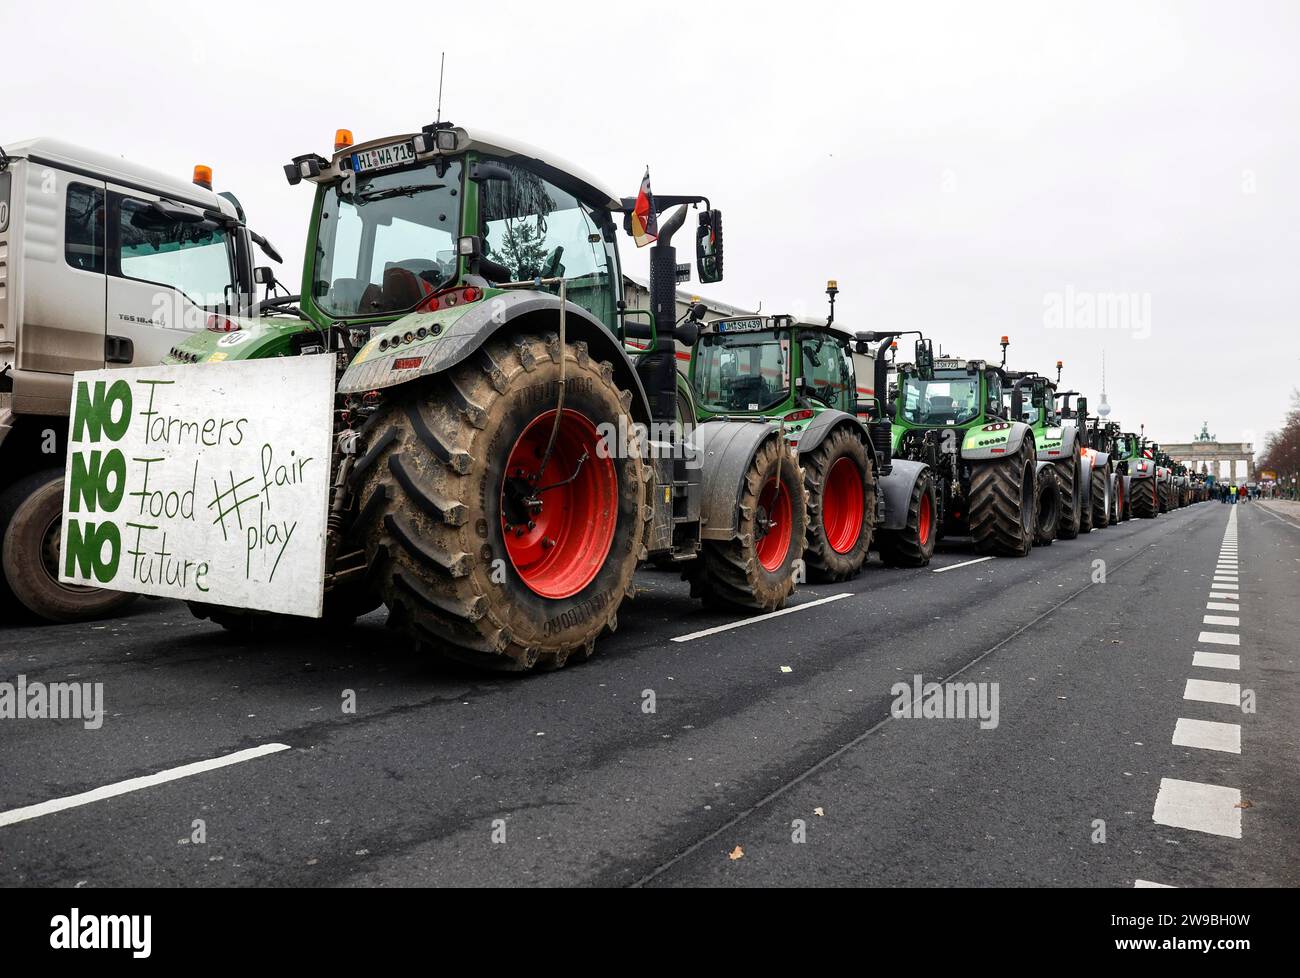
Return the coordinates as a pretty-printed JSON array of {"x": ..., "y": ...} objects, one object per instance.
[
  {"x": 573, "y": 523},
  {"x": 842, "y": 498},
  {"x": 923, "y": 520},
  {"x": 775, "y": 514}
]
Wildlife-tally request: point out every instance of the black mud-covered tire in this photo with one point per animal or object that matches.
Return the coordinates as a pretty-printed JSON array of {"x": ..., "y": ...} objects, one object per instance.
[
  {"x": 1116, "y": 504},
  {"x": 1162, "y": 490},
  {"x": 824, "y": 472},
  {"x": 1048, "y": 519},
  {"x": 32, "y": 516},
  {"x": 1100, "y": 509},
  {"x": 1003, "y": 504},
  {"x": 910, "y": 546},
  {"x": 1143, "y": 500},
  {"x": 730, "y": 573},
  {"x": 432, "y": 492},
  {"x": 1068, "y": 472}
]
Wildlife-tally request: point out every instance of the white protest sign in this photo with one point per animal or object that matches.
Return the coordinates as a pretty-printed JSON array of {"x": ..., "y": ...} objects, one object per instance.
[{"x": 205, "y": 482}]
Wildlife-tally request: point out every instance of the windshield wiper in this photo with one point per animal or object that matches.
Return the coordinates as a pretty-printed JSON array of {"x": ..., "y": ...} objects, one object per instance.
[{"x": 364, "y": 198}]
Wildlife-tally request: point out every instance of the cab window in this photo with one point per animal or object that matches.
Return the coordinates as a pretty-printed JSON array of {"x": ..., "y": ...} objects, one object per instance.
[
  {"x": 83, "y": 228},
  {"x": 828, "y": 370},
  {"x": 532, "y": 228},
  {"x": 193, "y": 258}
]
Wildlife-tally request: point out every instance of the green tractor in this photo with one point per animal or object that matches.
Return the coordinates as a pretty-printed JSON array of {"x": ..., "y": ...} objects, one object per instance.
[
  {"x": 502, "y": 460},
  {"x": 950, "y": 415},
  {"x": 1097, "y": 467},
  {"x": 1135, "y": 463},
  {"x": 805, "y": 377}
]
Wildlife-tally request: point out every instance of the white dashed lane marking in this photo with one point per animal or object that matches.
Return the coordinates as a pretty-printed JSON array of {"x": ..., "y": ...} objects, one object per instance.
[
  {"x": 1212, "y": 691},
  {"x": 757, "y": 618},
  {"x": 964, "y": 563},
  {"x": 1230, "y": 620},
  {"x": 1208, "y": 735},
  {"x": 1148, "y": 885},
  {"x": 1209, "y": 808},
  {"x": 1219, "y": 638},
  {"x": 1216, "y": 660},
  {"x": 1220, "y": 606}
]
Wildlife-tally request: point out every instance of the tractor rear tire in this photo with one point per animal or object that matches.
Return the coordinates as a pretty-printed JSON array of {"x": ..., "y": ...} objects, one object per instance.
[
  {"x": 1143, "y": 498},
  {"x": 841, "y": 485},
  {"x": 1162, "y": 490},
  {"x": 479, "y": 557},
  {"x": 1116, "y": 500},
  {"x": 1100, "y": 504},
  {"x": 756, "y": 568},
  {"x": 913, "y": 545},
  {"x": 31, "y": 513},
  {"x": 1003, "y": 504},
  {"x": 1069, "y": 473},
  {"x": 1048, "y": 519}
]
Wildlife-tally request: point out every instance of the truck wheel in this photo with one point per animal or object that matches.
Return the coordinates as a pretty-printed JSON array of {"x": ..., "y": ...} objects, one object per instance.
[
  {"x": 1003, "y": 505},
  {"x": 1142, "y": 498},
  {"x": 1100, "y": 507},
  {"x": 841, "y": 485},
  {"x": 477, "y": 554},
  {"x": 755, "y": 569},
  {"x": 31, "y": 555},
  {"x": 913, "y": 545},
  {"x": 1068, "y": 473},
  {"x": 1049, "y": 506}
]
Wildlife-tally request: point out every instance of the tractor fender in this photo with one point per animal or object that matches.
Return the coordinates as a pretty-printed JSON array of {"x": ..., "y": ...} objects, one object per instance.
[
  {"x": 999, "y": 448},
  {"x": 1069, "y": 439},
  {"x": 1100, "y": 460},
  {"x": 896, "y": 488},
  {"x": 822, "y": 425},
  {"x": 724, "y": 451},
  {"x": 1041, "y": 465},
  {"x": 1085, "y": 477},
  {"x": 463, "y": 331}
]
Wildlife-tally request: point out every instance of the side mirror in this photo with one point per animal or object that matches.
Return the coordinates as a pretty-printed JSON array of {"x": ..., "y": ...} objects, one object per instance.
[
  {"x": 925, "y": 359},
  {"x": 1037, "y": 394},
  {"x": 708, "y": 247},
  {"x": 1081, "y": 408},
  {"x": 263, "y": 275}
]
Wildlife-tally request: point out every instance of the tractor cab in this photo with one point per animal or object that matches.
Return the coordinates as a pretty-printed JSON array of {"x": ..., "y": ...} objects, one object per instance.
[
  {"x": 773, "y": 366},
  {"x": 948, "y": 392}
]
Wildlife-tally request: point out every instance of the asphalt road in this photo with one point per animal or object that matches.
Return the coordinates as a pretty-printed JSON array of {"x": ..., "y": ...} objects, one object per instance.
[{"x": 759, "y": 736}]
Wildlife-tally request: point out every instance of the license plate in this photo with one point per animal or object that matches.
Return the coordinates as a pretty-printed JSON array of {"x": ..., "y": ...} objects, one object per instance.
[
  {"x": 383, "y": 157},
  {"x": 740, "y": 325},
  {"x": 949, "y": 364}
]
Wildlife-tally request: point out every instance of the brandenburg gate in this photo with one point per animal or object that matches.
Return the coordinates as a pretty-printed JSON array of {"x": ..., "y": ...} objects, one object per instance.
[{"x": 1225, "y": 460}]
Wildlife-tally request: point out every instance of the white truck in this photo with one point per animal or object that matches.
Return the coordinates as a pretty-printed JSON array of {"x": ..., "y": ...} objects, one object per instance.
[{"x": 102, "y": 263}]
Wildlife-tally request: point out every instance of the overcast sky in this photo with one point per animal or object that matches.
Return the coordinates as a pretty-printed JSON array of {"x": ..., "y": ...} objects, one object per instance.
[{"x": 968, "y": 169}]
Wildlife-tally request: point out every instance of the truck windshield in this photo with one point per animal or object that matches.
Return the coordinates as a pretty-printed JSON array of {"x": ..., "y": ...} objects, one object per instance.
[
  {"x": 942, "y": 401},
  {"x": 743, "y": 371},
  {"x": 389, "y": 243}
]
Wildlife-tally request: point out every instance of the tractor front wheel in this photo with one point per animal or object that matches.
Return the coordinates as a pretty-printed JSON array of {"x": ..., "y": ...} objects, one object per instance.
[
  {"x": 1069, "y": 474},
  {"x": 1049, "y": 506},
  {"x": 841, "y": 486},
  {"x": 1100, "y": 504},
  {"x": 1143, "y": 499},
  {"x": 913, "y": 545},
  {"x": 1003, "y": 504},
  {"x": 756, "y": 567}
]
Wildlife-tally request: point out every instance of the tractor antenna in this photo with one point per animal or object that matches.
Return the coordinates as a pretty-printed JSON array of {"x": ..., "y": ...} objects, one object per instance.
[{"x": 442, "y": 63}]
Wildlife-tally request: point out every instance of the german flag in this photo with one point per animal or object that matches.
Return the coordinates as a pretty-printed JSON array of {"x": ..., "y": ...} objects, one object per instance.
[{"x": 645, "y": 224}]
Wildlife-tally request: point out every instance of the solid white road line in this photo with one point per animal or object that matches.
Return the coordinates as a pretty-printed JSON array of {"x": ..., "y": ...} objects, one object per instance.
[
  {"x": 1219, "y": 638},
  {"x": 1207, "y": 808},
  {"x": 1216, "y": 660},
  {"x": 1211, "y": 691},
  {"x": 135, "y": 784},
  {"x": 1148, "y": 885},
  {"x": 1231, "y": 620},
  {"x": 1208, "y": 735},
  {"x": 965, "y": 563},
  {"x": 1221, "y": 606},
  {"x": 757, "y": 618}
]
